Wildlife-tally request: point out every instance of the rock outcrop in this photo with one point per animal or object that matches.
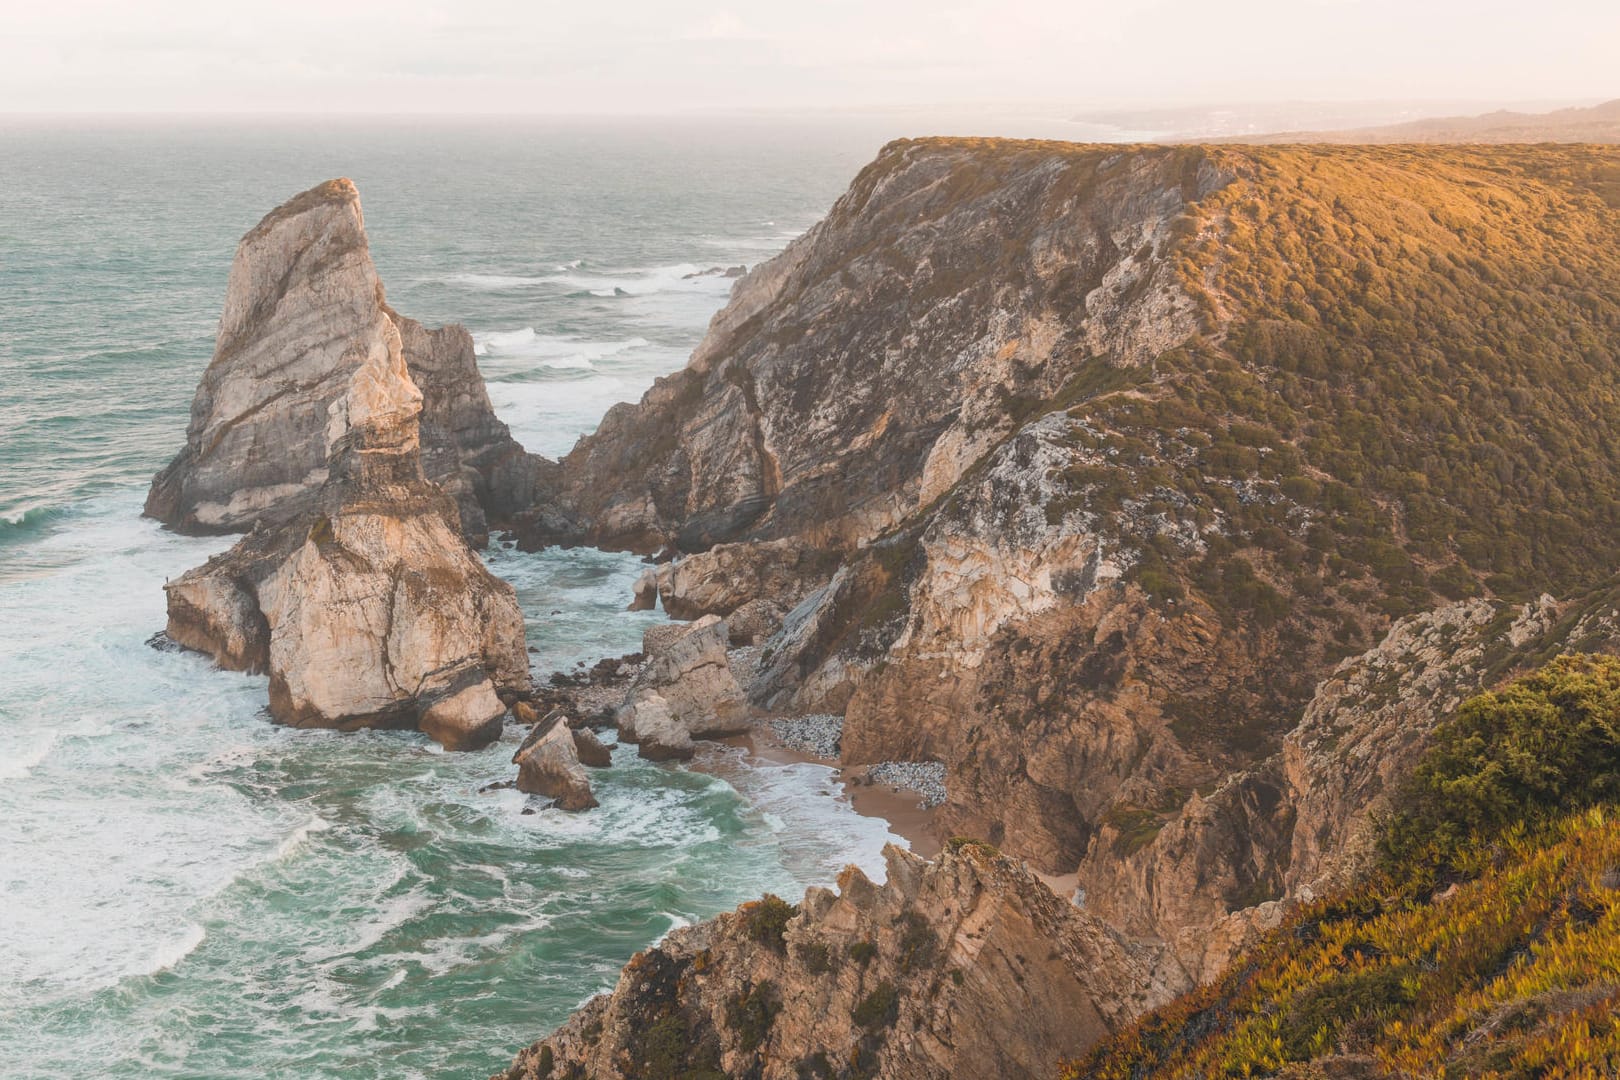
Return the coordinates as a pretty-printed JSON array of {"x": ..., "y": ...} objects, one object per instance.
[
  {"x": 1166, "y": 495},
  {"x": 1212, "y": 874},
  {"x": 1088, "y": 470},
  {"x": 859, "y": 374},
  {"x": 356, "y": 591},
  {"x": 685, "y": 690},
  {"x": 965, "y": 967},
  {"x": 303, "y": 310},
  {"x": 550, "y": 763}
]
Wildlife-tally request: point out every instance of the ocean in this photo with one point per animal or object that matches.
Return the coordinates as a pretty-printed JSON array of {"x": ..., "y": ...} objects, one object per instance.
[{"x": 187, "y": 890}]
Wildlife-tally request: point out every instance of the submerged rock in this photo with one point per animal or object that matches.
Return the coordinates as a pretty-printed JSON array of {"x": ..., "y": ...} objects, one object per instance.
[{"x": 355, "y": 591}]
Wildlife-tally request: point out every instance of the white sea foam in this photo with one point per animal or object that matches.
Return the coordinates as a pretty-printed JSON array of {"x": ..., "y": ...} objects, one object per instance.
[
  {"x": 681, "y": 277},
  {"x": 525, "y": 344},
  {"x": 18, "y": 762},
  {"x": 170, "y": 953},
  {"x": 296, "y": 838}
]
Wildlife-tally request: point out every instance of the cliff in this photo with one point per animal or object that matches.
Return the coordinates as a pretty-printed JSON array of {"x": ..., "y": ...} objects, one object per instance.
[
  {"x": 965, "y": 967},
  {"x": 1121, "y": 451},
  {"x": 303, "y": 294},
  {"x": 1480, "y": 942},
  {"x": 1170, "y": 497},
  {"x": 356, "y": 591}
]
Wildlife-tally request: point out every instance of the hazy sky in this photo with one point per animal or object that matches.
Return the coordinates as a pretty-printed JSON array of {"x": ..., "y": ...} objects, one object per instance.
[{"x": 642, "y": 56}]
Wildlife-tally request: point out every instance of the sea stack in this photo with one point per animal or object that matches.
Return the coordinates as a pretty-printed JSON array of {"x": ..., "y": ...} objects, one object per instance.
[
  {"x": 303, "y": 311},
  {"x": 356, "y": 591}
]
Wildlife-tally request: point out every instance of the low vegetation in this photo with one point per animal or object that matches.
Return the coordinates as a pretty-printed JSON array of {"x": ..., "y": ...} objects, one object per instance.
[{"x": 1511, "y": 969}]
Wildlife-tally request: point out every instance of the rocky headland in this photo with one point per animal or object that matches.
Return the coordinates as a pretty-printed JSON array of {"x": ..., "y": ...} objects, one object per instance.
[
  {"x": 1166, "y": 498},
  {"x": 356, "y": 589}
]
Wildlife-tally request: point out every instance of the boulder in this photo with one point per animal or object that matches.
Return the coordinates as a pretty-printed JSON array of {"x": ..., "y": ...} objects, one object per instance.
[
  {"x": 689, "y": 671},
  {"x": 646, "y": 592},
  {"x": 648, "y": 721},
  {"x": 591, "y": 750},
  {"x": 754, "y": 622},
  {"x": 549, "y": 765}
]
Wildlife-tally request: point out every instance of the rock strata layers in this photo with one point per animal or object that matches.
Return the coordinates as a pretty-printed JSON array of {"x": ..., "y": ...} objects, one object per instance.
[
  {"x": 356, "y": 590},
  {"x": 303, "y": 310},
  {"x": 967, "y": 967}
]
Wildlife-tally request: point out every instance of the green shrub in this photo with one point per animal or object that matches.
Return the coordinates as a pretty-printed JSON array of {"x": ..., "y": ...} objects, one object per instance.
[
  {"x": 862, "y": 952},
  {"x": 919, "y": 945},
  {"x": 1318, "y": 1013},
  {"x": 879, "y": 1009},
  {"x": 752, "y": 1013},
  {"x": 1546, "y": 743},
  {"x": 767, "y": 920},
  {"x": 817, "y": 957}
]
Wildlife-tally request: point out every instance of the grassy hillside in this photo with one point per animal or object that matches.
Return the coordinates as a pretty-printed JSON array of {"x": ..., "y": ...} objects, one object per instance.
[{"x": 1488, "y": 947}]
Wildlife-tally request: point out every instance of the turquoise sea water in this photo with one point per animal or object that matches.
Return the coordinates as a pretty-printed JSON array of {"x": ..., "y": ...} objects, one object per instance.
[{"x": 189, "y": 891}]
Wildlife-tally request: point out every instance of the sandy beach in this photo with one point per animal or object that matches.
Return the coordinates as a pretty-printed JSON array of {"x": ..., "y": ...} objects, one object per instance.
[{"x": 901, "y": 809}]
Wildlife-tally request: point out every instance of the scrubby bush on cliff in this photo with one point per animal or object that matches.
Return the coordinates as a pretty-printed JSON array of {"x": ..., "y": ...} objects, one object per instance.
[
  {"x": 752, "y": 1013},
  {"x": 767, "y": 920},
  {"x": 1546, "y": 743},
  {"x": 1514, "y": 972}
]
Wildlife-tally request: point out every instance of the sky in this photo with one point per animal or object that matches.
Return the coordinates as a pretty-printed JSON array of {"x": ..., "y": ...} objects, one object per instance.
[{"x": 658, "y": 56}]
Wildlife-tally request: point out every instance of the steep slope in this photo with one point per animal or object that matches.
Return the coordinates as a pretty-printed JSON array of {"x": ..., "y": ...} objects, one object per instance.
[
  {"x": 1188, "y": 489},
  {"x": 1484, "y": 943},
  {"x": 853, "y": 378},
  {"x": 1123, "y": 450},
  {"x": 302, "y": 292},
  {"x": 964, "y": 967}
]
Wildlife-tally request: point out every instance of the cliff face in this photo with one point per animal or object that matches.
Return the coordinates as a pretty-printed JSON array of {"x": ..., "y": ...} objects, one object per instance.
[
  {"x": 858, "y": 375},
  {"x": 965, "y": 967},
  {"x": 303, "y": 309},
  {"x": 356, "y": 591},
  {"x": 1097, "y": 460},
  {"x": 1169, "y": 497}
]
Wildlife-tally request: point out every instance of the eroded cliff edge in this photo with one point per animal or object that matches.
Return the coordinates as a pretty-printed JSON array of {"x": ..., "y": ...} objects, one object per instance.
[
  {"x": 356, "y": 590},
  {"x": 966, "y": 966},
  {"x": 1168, "y": 496}
]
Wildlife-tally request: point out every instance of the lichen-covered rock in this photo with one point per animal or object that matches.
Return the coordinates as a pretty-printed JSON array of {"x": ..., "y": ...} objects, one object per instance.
[
  {"x": 549, "y": 765},
  {"x": 303, "y": 311},
  {"x": 356, "y": 591},
  {"x": 965, "y": 967}
]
